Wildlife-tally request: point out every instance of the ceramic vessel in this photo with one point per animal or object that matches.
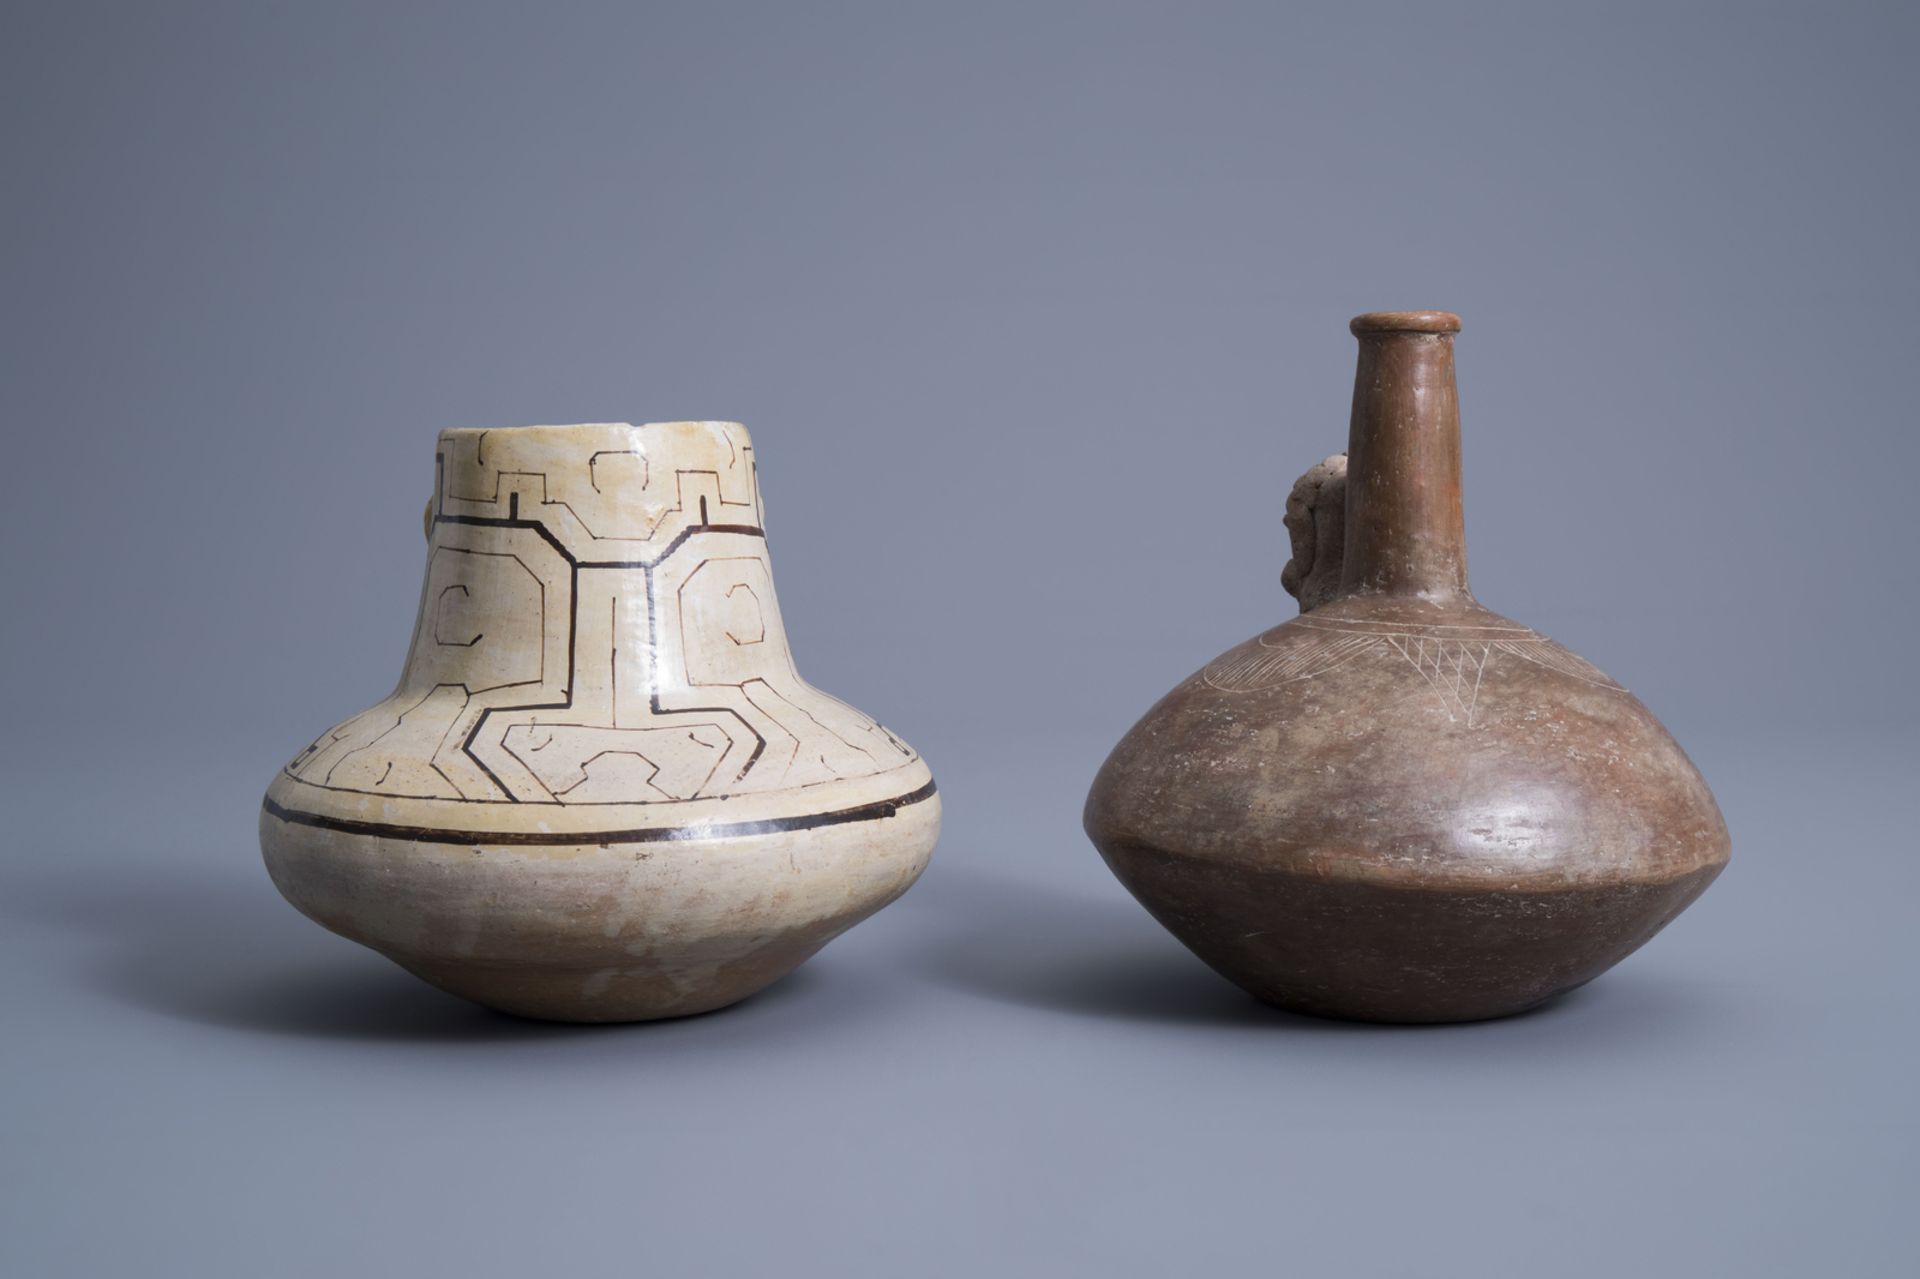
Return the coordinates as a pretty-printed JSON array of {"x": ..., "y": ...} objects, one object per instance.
[
  {"x": 601, "y": 791},
  {"x": 1402, "y": 806}
]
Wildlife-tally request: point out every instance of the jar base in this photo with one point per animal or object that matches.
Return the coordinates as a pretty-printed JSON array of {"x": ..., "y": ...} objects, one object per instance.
[
  {"x": 601, "y": 932},
  {"x": 607, "y": 996},
  {"x": 1377, "y": 952}
]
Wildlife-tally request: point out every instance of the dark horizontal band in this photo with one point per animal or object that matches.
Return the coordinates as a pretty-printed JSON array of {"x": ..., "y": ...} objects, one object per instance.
[{"x": 645, "y": 835}]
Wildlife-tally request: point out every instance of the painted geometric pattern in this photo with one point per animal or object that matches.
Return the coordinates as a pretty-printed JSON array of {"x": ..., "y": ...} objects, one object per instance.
[{"x": 598, "y": 630}]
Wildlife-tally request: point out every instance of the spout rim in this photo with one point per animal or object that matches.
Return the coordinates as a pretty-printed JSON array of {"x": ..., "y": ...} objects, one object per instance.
[{"x": 1405, "y": 322}]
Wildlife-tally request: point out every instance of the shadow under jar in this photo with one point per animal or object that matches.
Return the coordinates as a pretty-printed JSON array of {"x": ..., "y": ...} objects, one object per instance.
[{"x": 1401, "y": 806}]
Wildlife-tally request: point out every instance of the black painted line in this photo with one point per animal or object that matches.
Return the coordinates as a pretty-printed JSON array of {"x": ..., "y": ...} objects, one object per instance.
[
  {"x": 574, "y": 567},
  {"x": 647, "y": 835}
]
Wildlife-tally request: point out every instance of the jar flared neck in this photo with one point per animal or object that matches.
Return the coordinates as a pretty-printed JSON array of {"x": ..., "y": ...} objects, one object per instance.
[{"x": 1405, "y": 533}]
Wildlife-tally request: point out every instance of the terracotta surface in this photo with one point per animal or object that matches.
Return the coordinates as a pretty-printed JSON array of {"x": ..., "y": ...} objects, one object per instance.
[
  {"x": 1402, "y": 806},
  {"x": 601, "y": 791}
]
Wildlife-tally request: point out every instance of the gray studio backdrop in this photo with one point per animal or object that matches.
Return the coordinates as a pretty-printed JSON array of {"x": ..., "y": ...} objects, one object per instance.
[{"x": 1035, "y": 310}]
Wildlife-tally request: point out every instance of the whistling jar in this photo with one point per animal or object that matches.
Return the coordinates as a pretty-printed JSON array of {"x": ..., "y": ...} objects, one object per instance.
[{"x": 1400, "y": 805}]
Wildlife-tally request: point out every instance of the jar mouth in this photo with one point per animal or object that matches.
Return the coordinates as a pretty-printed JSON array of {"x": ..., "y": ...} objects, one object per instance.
[
  {"x": 1405, "y": 322},
  {"x": 593, "y": 426}
]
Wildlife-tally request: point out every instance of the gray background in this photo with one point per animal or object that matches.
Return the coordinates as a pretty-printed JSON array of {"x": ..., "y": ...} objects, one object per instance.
[{"x": 1035, "y": 311}]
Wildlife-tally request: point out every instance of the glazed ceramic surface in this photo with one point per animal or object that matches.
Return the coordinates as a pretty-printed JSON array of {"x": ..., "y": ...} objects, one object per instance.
[
  {"x": 1402, "y": 806},
  {"x": 601, "y": 791}
]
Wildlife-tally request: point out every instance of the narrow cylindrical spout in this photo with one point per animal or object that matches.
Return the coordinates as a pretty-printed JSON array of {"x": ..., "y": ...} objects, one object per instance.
[{"x": 1405, "y": 533}]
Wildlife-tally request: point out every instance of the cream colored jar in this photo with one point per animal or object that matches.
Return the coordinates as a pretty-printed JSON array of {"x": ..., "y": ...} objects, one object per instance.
[{"x": 601, "y": 791}]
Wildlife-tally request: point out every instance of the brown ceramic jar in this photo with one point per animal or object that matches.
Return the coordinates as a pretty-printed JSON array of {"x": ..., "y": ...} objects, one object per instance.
[{"x": 1401, "y": 806}]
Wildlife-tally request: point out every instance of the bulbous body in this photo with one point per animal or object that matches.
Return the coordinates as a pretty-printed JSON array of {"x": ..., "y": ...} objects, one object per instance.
[
  {"x": 1401, "y": 806},
  {"x": 601, "y": 791}
]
